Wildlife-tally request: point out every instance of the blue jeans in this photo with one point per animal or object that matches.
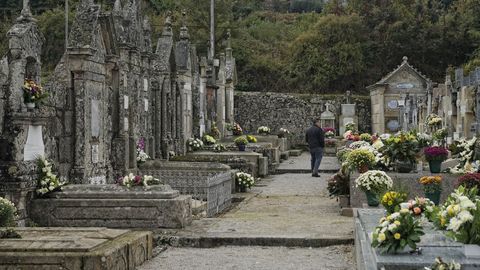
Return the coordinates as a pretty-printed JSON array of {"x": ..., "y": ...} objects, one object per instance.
[{"x": 317, "y": 154}]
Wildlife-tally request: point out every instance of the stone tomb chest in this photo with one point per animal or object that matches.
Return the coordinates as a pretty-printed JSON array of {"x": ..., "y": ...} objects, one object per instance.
[
  {"x": 113, "y": 206},
  {"x": 75, "y": 249},
  {"x": 433, "y": 244}
]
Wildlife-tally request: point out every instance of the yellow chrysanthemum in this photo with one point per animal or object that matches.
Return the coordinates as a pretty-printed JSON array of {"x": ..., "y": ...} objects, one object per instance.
[{"x": 397, "y": 236}]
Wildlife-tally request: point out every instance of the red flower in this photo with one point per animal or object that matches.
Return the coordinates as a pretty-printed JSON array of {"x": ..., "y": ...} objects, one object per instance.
[{"x": 137, "y": 179}]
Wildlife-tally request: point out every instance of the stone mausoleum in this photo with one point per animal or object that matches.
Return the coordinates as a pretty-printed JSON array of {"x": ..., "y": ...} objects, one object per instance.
[
  {"x": 113, "y": 88},
  {"x": 399, "y": 101}
]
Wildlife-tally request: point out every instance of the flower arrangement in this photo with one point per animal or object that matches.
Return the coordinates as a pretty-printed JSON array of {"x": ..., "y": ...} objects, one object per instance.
[
  {"x": 397, "y": 231},
  {"x": 402, "y": 147},
  {"x": 361, "y": 159},
  {"x": 351, "y": 136},
  {"x": 440, "y": 135},
  {"x": 466, "y": 148},
  {"x": 439, "y": 264},
  {"x": 8, "y": 212},
  {"x": 283, "y": 133},
  {"x": 350, "y": 126},
  {"x": 32, "y": 92},
  {"x": 358, "y": 145},
  {"x": 131, "y": 180},
  {"x": 433, "y": 120},
  {"x": 244, "y": 180},
  {"x": 141, "y": 155},
  {"x": 208, "y": 140},
  {"x": 195, "y": 144},
  {"x": 241, "y": 141},
  {"x": 171, "y": 154},
  {"x": 374, "y": 181},
  {"x": 214, "y": 132},
  {"x": 219, "y": 148},
  {"x": 251, "y": 139},
  {"x": 48, "y": 181},
  {"x": 263, "y": 130},
  {"x": 338, "y": 184},
  {"x": 431, "y": 184},
  {"x": 365, "y": 137},
  {"x": 329, "y": 132},
  {"x": 424, "y": 140},
  {"x": 421, "y": 206},
  {"x": 378, "y": 144},
  {"x": 391, "y": 200},
  {"x": 237, "y": 129},
  {"x": 469, "y": 180},
  {"x": 343, "y": 153},
  {"x": 330, "y": 142},
  {"x": 460, "y": 216}
]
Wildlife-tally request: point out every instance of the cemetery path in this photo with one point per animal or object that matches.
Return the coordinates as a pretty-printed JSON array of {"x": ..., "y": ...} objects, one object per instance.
[
  {"x": 301, "y": 164},
  {"x": 286, "y": 220}
]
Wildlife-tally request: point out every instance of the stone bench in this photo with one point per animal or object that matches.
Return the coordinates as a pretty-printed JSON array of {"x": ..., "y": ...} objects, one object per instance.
[
  {"x": 206, "y": 181},
  {"x": 76, "y": 249},
  {"x": 408, "y": 181},
  {"x": 433, "y": 244},
  {"x": 113, "y": 206}
]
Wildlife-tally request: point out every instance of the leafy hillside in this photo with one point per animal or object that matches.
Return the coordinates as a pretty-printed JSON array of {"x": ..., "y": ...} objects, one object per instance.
[{"x": 309, "y": 46}]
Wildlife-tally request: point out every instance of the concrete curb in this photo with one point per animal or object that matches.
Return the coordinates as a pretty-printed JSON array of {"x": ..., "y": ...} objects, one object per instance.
[{"x": 216, "y": 241}]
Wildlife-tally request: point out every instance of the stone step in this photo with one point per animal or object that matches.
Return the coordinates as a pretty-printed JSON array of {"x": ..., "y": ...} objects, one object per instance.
[
  {"x": 295, "y": 153},
  {"x": 285, "y": 171},
  {"x": 210, "y": 241}
]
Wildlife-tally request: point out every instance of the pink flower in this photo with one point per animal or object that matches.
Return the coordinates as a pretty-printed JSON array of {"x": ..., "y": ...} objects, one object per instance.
[
  {"x": 137, "y": 179},
  {"x": 417, "y": 210}
]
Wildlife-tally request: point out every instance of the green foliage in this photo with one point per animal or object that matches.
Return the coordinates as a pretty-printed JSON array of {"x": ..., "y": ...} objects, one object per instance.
[
  {"x": 359, "y": 158},
  {"x": 7, "y": 213},
  {"x": 241, "y": 141}
]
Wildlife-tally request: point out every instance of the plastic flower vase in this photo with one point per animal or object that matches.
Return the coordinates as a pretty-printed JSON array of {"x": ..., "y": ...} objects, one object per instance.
[
  {"x": 241, "y": 147},
  {"x": 435, "y": 166},
  {"x": 433, "y": 196},
  {"x": 372, "y": 198}
]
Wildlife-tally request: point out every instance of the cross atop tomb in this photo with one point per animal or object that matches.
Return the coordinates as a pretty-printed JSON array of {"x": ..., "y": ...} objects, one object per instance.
[{"x": 26, "y": 14}]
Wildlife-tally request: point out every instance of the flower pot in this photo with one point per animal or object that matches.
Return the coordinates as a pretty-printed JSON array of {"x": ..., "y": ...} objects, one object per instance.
[
  {"x": 344, "y": 200},
  {"x": 435, "y": 166},
  {"x": 241, "y": 147},
  {"x": 241, "y": 189},
  {"x": 404, "y": 166},
  {"x": 433, "y": 196},
  {"x": 372, "y": 198},
  {"x": 363, "y": 168},
  {"x": 30, "y": 105}
]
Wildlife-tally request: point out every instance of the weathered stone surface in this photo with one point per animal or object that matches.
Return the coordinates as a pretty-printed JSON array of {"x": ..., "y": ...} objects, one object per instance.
[
  {"x": 406, "y": 180},
  {"x": 433, "y": 243},
  {"x": 294, "y": 112},
  {"x": 206, "y": 181},
  {"x": 75, "y": 249},
  {"x": 113, "y": 206}
]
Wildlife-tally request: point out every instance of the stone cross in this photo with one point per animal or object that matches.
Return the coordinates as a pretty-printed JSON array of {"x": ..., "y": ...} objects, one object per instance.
[{"x": 26, "y": 14}]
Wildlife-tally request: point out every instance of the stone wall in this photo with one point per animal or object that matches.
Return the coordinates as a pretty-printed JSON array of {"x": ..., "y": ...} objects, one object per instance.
[{"x": 293, "y": 111}]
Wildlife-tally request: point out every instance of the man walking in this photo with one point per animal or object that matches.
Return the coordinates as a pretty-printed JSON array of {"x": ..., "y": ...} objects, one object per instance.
[{"x": 316, "y": 142}]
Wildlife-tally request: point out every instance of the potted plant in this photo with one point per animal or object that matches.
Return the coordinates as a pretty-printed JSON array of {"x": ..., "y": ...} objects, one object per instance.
[
  {"x": 396, "y": 232},
  {"x": 439, "y": 264},
  {"x": 241, "y": 143},
  {"x": 402, "y": 150},
  {"x": 219, "y": 148},
  {"x": 360, "y": 159},
  {"x": 237, "y": 129},
  {"x": 373, "y": 183},
  {"x": 142, "y": 156},
  {"x": 329, "y": 132},
  {"x": 8, "y": 213},
  {"x": 432, "y": 187},
  {"x": 48, "y": 181},
  {"x": 251, "y": 139},
  {"x": 263, "y": 130},
  {"x": 366, "y": 137},
  {"x": 244, "y": 181},
  {"x": 330, "y": 146},
  {"x": 339, "y": 186},
  {"x": 208, "y": 140},
  {"x": 32, "y": 93},
  {"x": 422, "y": 207},
  {"x": 391, "y": 200},
  {"x": 434, "y": 121},
  {"x": 194, "y": 144},
  {"x": 283, "y": 133},
  {"x": 469, "y": 181},
  {"x": 435, "y": 155}
]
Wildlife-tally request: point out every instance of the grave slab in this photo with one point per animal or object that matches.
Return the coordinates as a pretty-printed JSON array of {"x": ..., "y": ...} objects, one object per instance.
[
  {"x": 113, "y": 206},
  {"x": 75, "y": 249}
]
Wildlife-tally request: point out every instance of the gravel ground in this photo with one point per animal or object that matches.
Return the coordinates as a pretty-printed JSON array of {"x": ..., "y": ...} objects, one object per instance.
[{"x": 258, "y": 258}]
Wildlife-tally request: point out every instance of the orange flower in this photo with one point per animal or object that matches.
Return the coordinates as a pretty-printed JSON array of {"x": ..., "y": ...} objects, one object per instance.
[{"x": 417, "y": 210}]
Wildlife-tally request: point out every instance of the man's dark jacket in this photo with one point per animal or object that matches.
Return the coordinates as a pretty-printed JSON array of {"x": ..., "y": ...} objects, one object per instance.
[{"x": 315, "y": 137}]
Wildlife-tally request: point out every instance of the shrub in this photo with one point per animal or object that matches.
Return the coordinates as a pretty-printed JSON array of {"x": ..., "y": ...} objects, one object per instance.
[{"x": 241, "y": 141}]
